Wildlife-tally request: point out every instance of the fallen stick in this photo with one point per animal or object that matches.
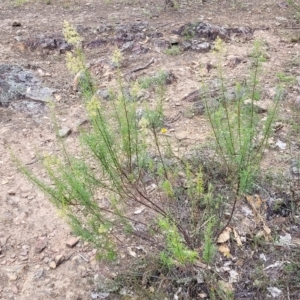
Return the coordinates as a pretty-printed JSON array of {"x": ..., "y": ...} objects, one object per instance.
[{"x": 144, "y": 67}]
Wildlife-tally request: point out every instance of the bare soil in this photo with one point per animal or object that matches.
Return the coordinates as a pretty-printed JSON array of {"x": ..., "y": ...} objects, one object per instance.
[{"x": 27, "y": 218}]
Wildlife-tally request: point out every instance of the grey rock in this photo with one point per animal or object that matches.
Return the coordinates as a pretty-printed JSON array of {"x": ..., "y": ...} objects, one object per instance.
[
  {"x": 297, "y": 103},
  {"x": 192, "y": 96},
  {"x": 186, "y": 45},
  {"x": 104, "y": 94},
  {"x": 275, "y": 292},
  {"x": 127, "y": 46},
  {"x": 161, "y": 44},
  {"x": 81, "y": 122},
  {"x": 174, "y": 40},
  {"x": 140, "y": 113},
  {"x": 198, "y": 108},
  {"x": 39, "y": 274},
  {"x": 201, "y": 47},
  {"x": 99, "y": 295},
  {"x": 64, "y": 132},
  {"x": 281, "y": 19},
  {"x": 295, "y": 167},
  {"x": 18, "y": 38},
  {"x": 201, "y": 30},
  {"x": 22, "y": 85},
  {"x": 43, "y": 94},
  {"x": 16, "y": 23}
]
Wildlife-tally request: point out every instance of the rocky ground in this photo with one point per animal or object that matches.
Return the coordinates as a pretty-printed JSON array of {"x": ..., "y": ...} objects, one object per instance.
[{"x": 39, "y": 256}]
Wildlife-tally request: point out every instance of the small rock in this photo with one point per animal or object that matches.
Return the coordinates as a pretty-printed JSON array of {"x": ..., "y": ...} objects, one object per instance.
[
  {"x": 198, "y": 108},
  {"x": 18, "y": 269},
  {"x": 257, "y": 108},
  {"x": 59, "y": 259},
  {"x": 38, "y": 274},
  {"x": 64, "y": 132},
  {"x": 295, "y": 167},
  {"x": 52, "y": 265},
  {"x": 13, "y": 277},
  {"x": 192, "y": 96},
  {"x": 71, "y": 242},
  {"x": 95, "y": 295},
  {"x": 174, "y": 40},
  {"x": 16, "y": 23},
  {"x": 281, "y": 145},
  {"x": 186, "y": 45},
  {"x": 274, "y": 291},
  {"x": 201, "y": 47},
  {"x": 297, "y": 103},
  {"x": 127, "y": 46},
  {"x": 81, "y": 122},
  {"x": 281, "y": 19},
  {"x": 46, "y": 260},
  {"x": 103, "y": 94},
  {"x": 233, "y": 61},
  {"x": 40, "y": 245},
  {"x": 140, "y": 113},
  {"x": 30, "y": 197}
]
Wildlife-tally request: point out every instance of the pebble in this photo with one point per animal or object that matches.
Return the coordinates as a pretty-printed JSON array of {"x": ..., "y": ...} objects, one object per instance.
[
  {"x": 40, "y": 245},
  {"x": 52, "y": 265},
  {"x": 16, "y": 23},
  {"x": 59, "y": 259},
  {"x": 39, "y": 273},
  {"x": 295, "y": 167},
  {"x": 71, "y": 242},
  {"x": 81, "y": 122},
  {"x": 297, "y": 103},
  {"x": 201, "y": 47},
  {"x": 64, "y": 132},
  {"x": 13, "y": 277},
  {"x": 46, "y": 260},
  {"x": 103, "y": 94},
  {"x": 174, "y": 40}
]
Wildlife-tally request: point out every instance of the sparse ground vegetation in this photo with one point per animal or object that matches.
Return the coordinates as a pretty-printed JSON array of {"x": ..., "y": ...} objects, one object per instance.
[{"x": 181, "y": 178}]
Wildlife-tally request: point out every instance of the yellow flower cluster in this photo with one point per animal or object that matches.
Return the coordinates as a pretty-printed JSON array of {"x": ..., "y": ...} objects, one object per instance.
[
  {"x": 50, "y": 161},
  {"x": 72, "y": 36},
  {"x": 164, "y": 130},
  {"x": 75, "y": 63},
  {"x": 117, "y": 57},
  {"x": 93, "y": 106}
]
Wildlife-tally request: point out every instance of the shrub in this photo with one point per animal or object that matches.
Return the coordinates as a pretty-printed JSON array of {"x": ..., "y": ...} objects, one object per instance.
[{"x": 123, "y": 155}]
